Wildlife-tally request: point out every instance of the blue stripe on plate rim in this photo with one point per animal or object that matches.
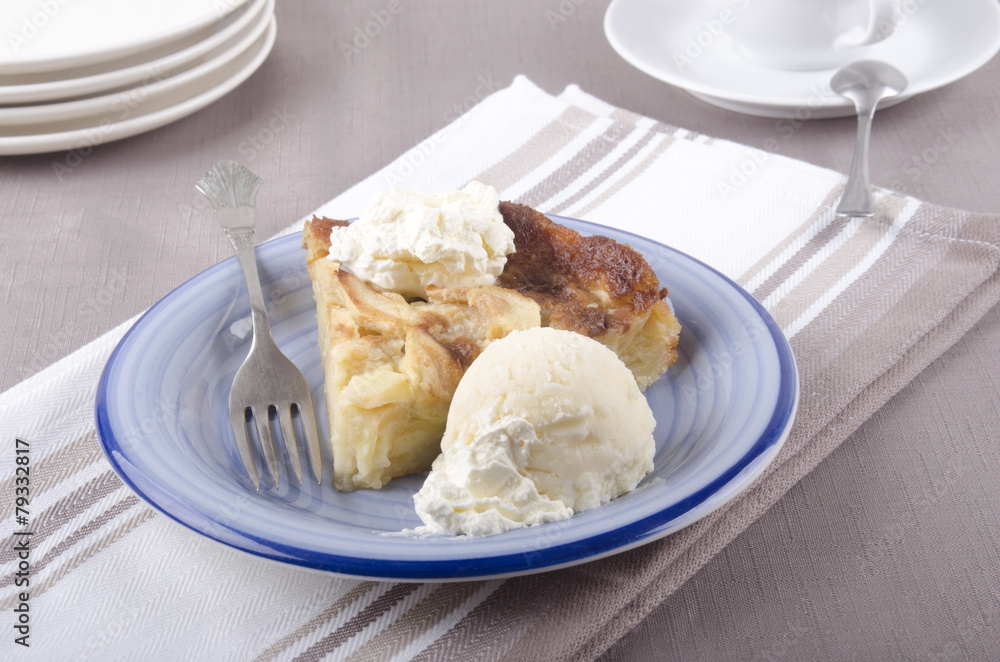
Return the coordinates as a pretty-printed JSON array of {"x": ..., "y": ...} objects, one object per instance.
[{"x": 667, "y": 520}]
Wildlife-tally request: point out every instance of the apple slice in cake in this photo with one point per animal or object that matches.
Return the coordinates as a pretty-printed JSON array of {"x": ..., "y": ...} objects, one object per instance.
[{"x": 392, "y": 365}]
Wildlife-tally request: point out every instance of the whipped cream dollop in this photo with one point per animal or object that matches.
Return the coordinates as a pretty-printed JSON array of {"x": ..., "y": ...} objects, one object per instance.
[
  {"x": 483, "y": 487},
  {"x": 405, "y": 241},
  {"x": 544, "y": 423}
]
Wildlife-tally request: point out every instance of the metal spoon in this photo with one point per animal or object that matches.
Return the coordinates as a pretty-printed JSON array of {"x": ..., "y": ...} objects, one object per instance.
[{"x": 865, "y": 82}]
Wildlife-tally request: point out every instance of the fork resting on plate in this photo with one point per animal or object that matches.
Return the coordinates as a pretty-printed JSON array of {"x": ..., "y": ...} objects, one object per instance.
[{"x": 267, "y": 381}]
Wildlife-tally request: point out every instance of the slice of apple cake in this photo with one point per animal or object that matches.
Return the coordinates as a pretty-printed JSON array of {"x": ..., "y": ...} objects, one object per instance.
[{"x": 392, "y": 363}]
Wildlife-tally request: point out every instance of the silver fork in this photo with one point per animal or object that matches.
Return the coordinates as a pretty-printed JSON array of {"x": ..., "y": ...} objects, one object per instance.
[{"x": 267, "y": 379}]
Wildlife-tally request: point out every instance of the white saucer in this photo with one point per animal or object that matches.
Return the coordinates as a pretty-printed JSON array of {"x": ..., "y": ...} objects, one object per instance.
[
  {"x": 680, "y": 43},
  {"x": 147, "y": 114},
  {"x": 98, "y": 79},
  {"x": 52, "y": 36},
  {"x": 29, "y": 119}
]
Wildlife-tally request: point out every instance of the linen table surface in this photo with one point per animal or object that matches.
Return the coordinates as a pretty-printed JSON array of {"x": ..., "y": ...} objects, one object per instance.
[{"x": 867, "y": 305}]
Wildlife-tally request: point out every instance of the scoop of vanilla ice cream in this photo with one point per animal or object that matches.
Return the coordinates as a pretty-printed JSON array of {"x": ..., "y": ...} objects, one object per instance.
[
  {"x": 404, "y": 241},
  {"x": 544, "y": 423}
]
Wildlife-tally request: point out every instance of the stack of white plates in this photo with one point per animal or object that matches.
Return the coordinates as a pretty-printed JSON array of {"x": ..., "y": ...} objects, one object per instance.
[{"x": 77, "y": 74}]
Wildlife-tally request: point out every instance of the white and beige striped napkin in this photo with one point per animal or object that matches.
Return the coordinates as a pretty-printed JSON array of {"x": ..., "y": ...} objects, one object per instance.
[{"x": 866, "y": 303}]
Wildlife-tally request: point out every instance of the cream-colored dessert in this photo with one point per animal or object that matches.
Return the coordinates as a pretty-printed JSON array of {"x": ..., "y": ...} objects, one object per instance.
[
  {"x": 544, "y": 424},
  {"x": 393, "y": 359}
]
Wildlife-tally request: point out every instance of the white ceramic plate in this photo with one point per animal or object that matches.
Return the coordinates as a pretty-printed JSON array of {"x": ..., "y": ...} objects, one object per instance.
[
  {"x": 156, "y": 86},
  {"x": 685, "y": 44},
  {"x": 141, "y": 115},
  {"x": 723, "y": 411},
  {"x": 97, "y": 80},
  {"x": 50, "y": 36}
]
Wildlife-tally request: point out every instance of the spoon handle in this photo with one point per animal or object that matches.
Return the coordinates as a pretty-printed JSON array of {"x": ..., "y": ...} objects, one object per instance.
[{"x": 857, "y": 199}]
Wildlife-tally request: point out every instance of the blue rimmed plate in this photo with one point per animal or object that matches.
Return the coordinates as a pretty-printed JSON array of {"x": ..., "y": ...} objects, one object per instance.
[{"x": 723, "y": 411}]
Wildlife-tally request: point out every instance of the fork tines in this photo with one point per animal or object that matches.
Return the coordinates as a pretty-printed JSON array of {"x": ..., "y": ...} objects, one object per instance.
[{"x": 243, "y": 417}]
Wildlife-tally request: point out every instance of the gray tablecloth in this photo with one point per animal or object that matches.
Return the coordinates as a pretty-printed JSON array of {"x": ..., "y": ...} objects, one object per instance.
[{"x": 886, "y": 551}]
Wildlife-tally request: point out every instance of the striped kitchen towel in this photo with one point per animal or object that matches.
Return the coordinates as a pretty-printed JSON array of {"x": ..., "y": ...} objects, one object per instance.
[{"x": 866, "y": 304}]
